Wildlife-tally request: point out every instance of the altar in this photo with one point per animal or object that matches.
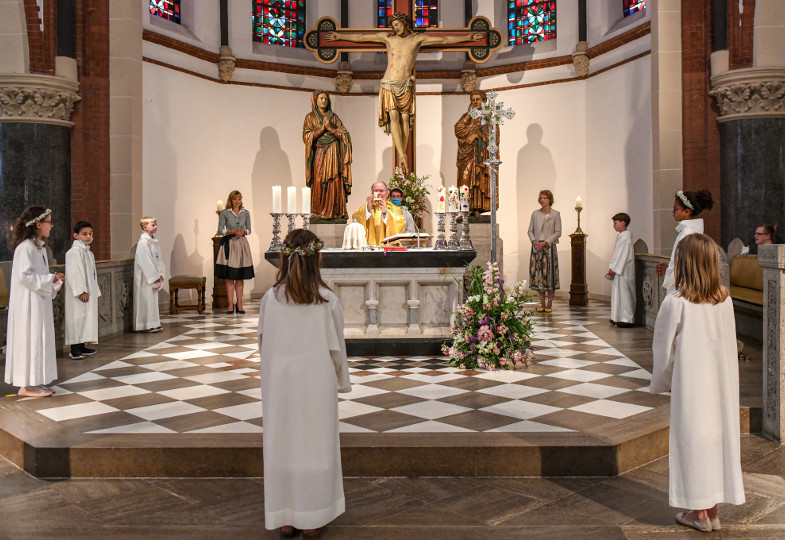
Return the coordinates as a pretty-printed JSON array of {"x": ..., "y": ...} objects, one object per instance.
[{"x": 402, "y": 300}]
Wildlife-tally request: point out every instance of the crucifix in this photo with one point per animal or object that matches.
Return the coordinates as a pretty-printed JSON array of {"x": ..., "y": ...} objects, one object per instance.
[
  {"x": 396, "y": 110},
  {"x": 493, "y": 113}
]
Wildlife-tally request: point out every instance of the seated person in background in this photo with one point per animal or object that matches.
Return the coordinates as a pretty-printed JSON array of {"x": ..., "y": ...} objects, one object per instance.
[
  {"x": 764, "y": 234},
  {"x": 379, "y": 216},
  {"x": 396, "y": 197}
]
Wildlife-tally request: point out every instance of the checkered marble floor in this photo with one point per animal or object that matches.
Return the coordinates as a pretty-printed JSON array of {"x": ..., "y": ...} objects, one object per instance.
[{"x": 205, "y": 379}]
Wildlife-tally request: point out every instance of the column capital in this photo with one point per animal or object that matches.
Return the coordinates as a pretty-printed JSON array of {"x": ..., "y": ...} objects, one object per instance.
[
  {"x": 39, "y": 99},
  {"x": 757, "y": 92}
]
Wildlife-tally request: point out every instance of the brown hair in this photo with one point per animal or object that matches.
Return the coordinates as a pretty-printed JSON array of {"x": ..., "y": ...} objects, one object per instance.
[
  {"x": 299, "y": 272},
  {"x": 700, "y": 200},
  {"x": 479, "y": 93},
  {"x": 21, "y": 231},
  {"x": 547, "y": 193},
  {"x": 697, "y": 270},
  {"x": 769, "y": 229},
  {"x": 230, "y": 198},
  {"x": 621, "y": 216}
]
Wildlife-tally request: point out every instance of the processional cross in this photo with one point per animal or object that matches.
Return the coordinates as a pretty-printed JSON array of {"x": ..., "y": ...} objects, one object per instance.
[
  {"x": 397, "y": 89},
  {"x": 492, "y": 113}
]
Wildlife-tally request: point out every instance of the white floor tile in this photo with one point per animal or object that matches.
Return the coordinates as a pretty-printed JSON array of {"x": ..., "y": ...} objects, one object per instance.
[
  {"x": 84, "y": 377},
  {"x": 252, "y": 392},
  {"x": 599, "y": 391},
  {"x": 343, "y": 427},
  {"x": 513, "y": 391},
  {"x": 520, "y": 409},
  {"x": 235, "y": 427},
  {"x": 360, "y": 391},
  {"x": 164, "y": 410},
  {"x": 430, "y": 427},
  {"x": 117, "y": 364},
  {"x": 80, "y": 410},
  {"x": 348, "y": 409},
  {"x": 432, "y": 391},
  {"x": 506, "y": 375},
  {"x": 567, "y": 362},
  {"x": 431, "y": 410},
  {"x": 193, "y": 392},
  {"x": 216, "y": 376},
  {"x": 187, "y": 355},
  {"x": 637, "y": 374},
  {"x": 579, "y": 375},
  {"x": 169, "y": 365},
  {"x": 141, "y": 378},
  {"x": 246, "y": 411},
  {"x": 105, "y": 394},
  {"x": 434, "y": 379},
  {"x": 138, "y": 354},
  {"x": 612, "y": 409},
  {"x": 134, "y": 429}
]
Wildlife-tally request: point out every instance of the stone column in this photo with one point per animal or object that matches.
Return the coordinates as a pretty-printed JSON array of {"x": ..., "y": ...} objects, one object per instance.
[
  {"x": 772, "y": 260},
  {"x": 751, "y": 102},
  {"x": 35, "y": 153}
]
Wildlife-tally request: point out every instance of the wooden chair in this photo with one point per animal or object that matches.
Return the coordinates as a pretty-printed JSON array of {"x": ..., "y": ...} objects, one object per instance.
[{"x": 186, "y": 282}]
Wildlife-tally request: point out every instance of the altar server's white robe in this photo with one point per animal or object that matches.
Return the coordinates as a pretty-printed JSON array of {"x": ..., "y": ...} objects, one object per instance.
[
  {"x": 303, "y": 366},
  {"x": 81, "y": 318},
  {"x": 30, "y": 358},
  {"x": 695, "y": 358},
  {"x": 684, "y": 228},
  {"x": 623, "y": 289},
  {"x": 148, "y": 267}
]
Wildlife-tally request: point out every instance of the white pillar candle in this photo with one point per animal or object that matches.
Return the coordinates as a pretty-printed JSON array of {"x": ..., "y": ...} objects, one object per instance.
[
  {"x": 220, "y": 206},
  {"x": 578, "y": 202},
  {"x": 276, "y": 199},
  {"x": 291, "y": 200},
  {"x": 306, "y": 200},
  {"x": 452, "y": 199},
  {"x": 440, "y": 199}
]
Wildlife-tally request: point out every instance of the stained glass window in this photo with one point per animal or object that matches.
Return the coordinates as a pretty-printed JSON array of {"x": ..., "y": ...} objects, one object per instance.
[
  {"x": 531, "y": 20},
  {"x": 166, "y": 9},
  {"x": 279, "y": 22},
  {"x": 426, "y": 14},
  {"x": 632, "y": 6},
  {"x": 383, "y": 12}
]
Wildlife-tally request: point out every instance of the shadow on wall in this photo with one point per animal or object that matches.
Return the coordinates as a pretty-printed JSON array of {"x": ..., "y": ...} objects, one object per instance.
[
  {"x": 270, "y": 167},
  {"x": 386, "y": 171},
  {"x": 536, "y": 171},
  {"x": 637, "y": 138},
  {"x": 184, "y": 264}
]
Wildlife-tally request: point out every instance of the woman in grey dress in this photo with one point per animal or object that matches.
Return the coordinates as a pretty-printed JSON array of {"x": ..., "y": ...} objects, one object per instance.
[{"x": 234, "y": 262}]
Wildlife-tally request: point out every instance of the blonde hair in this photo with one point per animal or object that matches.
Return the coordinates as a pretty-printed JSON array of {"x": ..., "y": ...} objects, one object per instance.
[
  {"x": 547, "y": 193},
  {"x": 146, "y": 221},
  {"x": 234, "y": 194},
  {"x": 696, "y": 269}
]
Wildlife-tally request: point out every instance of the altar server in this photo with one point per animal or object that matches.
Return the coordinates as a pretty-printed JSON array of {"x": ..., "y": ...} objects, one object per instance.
[
  {"x": 621, "y": 270},
  {"x": 30, "y": 358},
  {"x": 148, "y": 278},
  {"x": 695, "y": 358},
  {"x": 82, "y": 293},
  {"x": 301, "y": 378}
]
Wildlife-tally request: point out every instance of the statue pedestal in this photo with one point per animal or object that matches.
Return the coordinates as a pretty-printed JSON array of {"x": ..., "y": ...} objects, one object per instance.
[{"x": 481, "y": 241}]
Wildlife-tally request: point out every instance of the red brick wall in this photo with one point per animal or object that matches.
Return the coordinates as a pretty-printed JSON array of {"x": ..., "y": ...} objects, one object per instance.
[
  {"x": 35, "y": 40},
  {"x": 700, "y": 133},
  {"x": 740, "y": 33},
  {"x": 90, "y": 137}
]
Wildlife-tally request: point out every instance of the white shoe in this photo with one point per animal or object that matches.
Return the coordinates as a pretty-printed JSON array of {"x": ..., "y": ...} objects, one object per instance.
[{"x": 703, "y": 525}]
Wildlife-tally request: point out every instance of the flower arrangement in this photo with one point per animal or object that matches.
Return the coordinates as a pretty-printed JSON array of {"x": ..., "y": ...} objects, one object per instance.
[
  {"x": 415, "y": 191},
  {"x": 491, "y": 329}
]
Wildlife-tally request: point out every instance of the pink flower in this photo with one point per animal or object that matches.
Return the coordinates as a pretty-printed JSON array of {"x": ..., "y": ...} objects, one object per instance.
[{"x": 484, "y": 333}]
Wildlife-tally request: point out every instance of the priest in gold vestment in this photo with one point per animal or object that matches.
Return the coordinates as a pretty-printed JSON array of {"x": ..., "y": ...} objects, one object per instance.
[{"x": 380, "y": 217}]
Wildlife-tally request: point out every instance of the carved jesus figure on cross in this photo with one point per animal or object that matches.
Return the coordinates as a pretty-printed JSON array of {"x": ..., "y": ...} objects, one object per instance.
[{"x": 396, "y": 92}]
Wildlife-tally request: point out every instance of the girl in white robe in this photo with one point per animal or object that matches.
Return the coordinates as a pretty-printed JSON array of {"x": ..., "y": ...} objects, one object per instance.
[
  {"x": 621, "y": 269},
  {"x": 303, "y": 367},
  {"x": 686, "y": 208},
  {"x": 149, "y": 272},
  {"x": 30, "y": 360},
  {"x": 82, "y": 293},
  {"x": 695, "y": 358}
]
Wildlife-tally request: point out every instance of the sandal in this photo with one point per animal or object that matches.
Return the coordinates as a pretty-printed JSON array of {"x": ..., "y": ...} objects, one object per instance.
[
  {"x": 548, "y": 310},
  {"x": 540, "y": 309},
  {"x": 703, "y": 525}
]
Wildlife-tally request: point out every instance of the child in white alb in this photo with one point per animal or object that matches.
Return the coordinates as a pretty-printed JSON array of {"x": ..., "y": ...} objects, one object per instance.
[
  {"x": 148, "y": 278},
  {"x": 621, "y": 270},
  {"x": 81, "y": 299}
]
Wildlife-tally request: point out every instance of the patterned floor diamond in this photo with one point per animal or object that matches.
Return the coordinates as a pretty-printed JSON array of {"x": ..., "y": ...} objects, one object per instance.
[{"x": 206, "y": 380}]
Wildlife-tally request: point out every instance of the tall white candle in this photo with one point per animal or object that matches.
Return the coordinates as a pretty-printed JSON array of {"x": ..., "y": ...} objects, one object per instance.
[
  {"x": 440, "y": 199},
  {"x": 578, "y": 202},
  {"x": 220, "y": 205},
  {"x": 276, "y": 199},
  {"x": 291, "y": 200},
  {"x": 306, "y": 200}
]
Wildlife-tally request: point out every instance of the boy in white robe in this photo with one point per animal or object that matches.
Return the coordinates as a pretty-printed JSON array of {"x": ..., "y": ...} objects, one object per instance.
[
  {"x": 621, "y": 270},
  {"x": 82, "y": 293},
  {"x": 148, "y": 278}
]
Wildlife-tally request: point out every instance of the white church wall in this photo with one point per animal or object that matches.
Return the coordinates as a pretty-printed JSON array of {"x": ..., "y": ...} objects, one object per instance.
[
  {"x": 585, "y": 137},
  {"x": 14, "y": 57}
]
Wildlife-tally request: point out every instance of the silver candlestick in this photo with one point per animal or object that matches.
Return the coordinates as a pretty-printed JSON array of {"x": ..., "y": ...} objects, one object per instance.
[
  {"x": 453, "y": 242},
  {"x": 441, "y": 243},
  {"x": 276, "y": 243},
  {"x": 306, "y": 220},
  {"x": 466, "y": 241},
  {"x": 292, "y": 221}
]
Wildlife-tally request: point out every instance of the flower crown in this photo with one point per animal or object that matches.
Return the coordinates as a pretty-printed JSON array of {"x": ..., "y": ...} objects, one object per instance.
[
  {"x": 39, "y": 218},
  {"x": 311, "y": 249},
  {"x": 683, "y": 198}
]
